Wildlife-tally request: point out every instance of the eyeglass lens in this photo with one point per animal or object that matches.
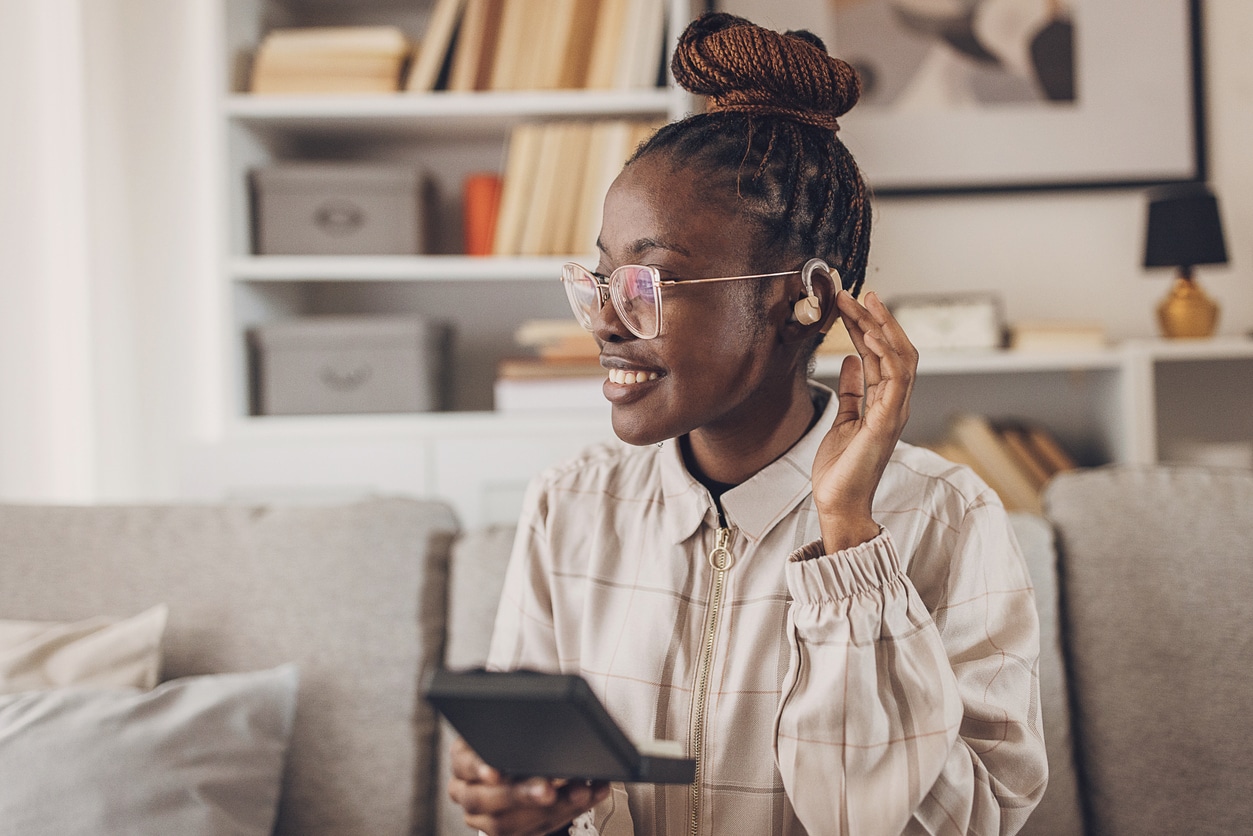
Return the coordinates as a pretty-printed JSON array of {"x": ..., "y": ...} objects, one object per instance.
[{"x": 632, "y": 289}]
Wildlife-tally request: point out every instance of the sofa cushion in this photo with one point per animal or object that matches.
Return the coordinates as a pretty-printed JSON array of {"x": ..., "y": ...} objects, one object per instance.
[
  {"x": 100, "y": 651},
  {"x": 1157, "y": 603},
  {"x": 198, "y": 755},
  {"x": 354, "y": 594},
  {"x": 1059, "y": 811}
]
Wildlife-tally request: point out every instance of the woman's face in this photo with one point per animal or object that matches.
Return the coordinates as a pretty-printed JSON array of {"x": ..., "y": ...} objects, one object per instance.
[{"x": 718, "y": 360}]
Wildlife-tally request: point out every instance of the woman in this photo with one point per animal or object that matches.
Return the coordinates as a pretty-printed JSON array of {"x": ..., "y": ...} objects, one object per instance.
[{"x": 838, "y": 627}]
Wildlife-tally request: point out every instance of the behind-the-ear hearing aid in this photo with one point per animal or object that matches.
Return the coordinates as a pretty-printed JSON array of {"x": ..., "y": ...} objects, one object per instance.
[{"x": 808, "y": 310}]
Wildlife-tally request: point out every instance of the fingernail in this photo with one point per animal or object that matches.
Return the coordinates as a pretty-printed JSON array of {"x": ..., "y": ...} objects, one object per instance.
[{"x": 537, "y": 790}]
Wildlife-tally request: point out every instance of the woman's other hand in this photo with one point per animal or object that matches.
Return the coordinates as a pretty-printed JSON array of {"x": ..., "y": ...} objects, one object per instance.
[
  {"x": 502, "y": 806},
  {"x": 874, "y": 391}
]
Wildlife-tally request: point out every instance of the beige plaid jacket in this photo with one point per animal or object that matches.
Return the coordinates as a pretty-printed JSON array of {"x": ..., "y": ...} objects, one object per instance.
[{"x": 892, "y": 688}]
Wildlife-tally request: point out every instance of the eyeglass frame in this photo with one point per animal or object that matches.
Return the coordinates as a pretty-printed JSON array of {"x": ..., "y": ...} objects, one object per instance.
[{"x": 600, "y": 282}]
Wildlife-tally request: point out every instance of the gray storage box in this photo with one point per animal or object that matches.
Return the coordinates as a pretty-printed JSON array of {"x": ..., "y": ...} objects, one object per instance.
[
  {"x": 350, "y": 364},
  {"x": 328, "y": 208}
]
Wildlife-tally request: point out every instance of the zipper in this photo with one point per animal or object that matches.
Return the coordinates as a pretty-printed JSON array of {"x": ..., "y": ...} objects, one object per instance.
[{"x": 720, "y": 559}]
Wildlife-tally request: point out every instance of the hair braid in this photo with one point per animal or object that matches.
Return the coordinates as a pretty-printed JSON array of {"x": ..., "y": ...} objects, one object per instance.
[{"x": 774, "y": 103}]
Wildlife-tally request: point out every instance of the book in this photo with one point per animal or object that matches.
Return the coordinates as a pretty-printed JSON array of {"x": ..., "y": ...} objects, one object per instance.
[
  {"x": 523, "y": 45},
  {"x": 995, "y": 463},
  {"x": 556, "y": 142},
  {"x": 517, "y": 187},
  {"x": 529, "y": 384},
  {"x": 954, "y": 452},
  {"x": 557, "y": 339},
  {"x": 330, "y": 59},
  {"x": 480, "y": 204},
  {"x": 610, "y": 144},
  {"x": 1020, "y": 447},
  {"x": 574, "y": 26},
  {"x": 533, "y": 368},
  {"x": 508, "y": 61},
  {"x": 607, "y": 43},
  {"x": 475, "y": 46},
  {"x": 639, "y": 59},
  {"x": 1050, "y": 450},
  {"x": 323, "y": 41},
  {"x": 435, "y": 46},
  {"x": 563, "y": 225},
  {"x": 1057, "y": 335}
]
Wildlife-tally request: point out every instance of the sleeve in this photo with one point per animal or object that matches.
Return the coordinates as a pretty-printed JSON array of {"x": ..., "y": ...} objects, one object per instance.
[{"x": 897, "y": 720}]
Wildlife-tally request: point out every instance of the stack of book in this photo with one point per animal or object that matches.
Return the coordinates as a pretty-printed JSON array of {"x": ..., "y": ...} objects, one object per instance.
[
  {"x": 1057, "y": 335},
  {"x": 555, "y": 180},
  {"x": 331, "y": 59},
  {"x": 560, "y": 371},
  {"x": 1016, "y": 459},
  {"x": 541, "y": 45}
]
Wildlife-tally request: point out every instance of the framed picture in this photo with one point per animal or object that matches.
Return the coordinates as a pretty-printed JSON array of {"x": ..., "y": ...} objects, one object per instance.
[{"x": 986, "y": 95}]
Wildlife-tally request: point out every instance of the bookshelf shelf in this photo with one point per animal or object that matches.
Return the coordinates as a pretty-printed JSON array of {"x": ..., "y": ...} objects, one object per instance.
[
  {"x": 439, "y": 114},
  {"x": 397, "y": 268},
  {"x": 990, "y": 362}
]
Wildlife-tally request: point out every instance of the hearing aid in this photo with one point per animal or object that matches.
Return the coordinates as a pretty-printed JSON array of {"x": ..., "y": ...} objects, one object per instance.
[{"x": 808, "y": 309}]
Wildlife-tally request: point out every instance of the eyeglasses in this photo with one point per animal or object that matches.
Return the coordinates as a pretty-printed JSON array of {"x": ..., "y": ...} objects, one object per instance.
[{"x": 634, "y": 290}]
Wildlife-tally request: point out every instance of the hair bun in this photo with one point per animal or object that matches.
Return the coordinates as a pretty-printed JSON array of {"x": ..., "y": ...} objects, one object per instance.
[{"x": 747, "y": 68}]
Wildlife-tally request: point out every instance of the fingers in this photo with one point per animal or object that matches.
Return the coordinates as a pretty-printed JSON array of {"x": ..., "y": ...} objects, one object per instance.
[
  {"x": 851, "y": 390},
  {"x": 534, "y": 806},
  {"x": 468, "y": 766},
  {"x": 859, "y": 322},
  {"x": 497, "y": 804},
  {"x": 884, "y": 347}
]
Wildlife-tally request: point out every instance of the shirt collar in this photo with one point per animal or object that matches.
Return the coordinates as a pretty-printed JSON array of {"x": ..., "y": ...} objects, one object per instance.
[{"x": 758, "y": 504}]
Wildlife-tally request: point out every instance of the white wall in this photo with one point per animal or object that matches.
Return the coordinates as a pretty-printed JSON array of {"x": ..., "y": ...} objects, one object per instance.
[
  {"x": 1070, "y": 254},
  {"x": 106, "y": 259},
  {"x": 110, "y": 359},
  {"x": 47, "y": 409}
]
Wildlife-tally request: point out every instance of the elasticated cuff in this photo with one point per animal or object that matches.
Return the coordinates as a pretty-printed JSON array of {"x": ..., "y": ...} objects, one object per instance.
[{"x": 813, "y": 576}]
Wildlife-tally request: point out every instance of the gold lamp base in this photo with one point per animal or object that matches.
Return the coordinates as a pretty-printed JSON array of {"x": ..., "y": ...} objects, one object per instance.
[{"x": 1187, "y": 311}]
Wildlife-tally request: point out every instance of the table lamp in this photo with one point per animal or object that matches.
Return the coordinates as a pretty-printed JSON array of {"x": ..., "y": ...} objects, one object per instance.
[{"x": 1184, "y": 230}]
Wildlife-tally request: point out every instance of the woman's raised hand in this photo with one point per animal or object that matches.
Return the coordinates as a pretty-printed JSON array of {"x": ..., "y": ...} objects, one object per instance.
[
  {"x": 500, "y": 806},
  {"x": 873, "y": 393}
]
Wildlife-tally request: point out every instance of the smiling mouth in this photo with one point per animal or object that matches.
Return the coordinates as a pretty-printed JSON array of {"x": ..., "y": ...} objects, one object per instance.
[{"x": 624, "y": 377}]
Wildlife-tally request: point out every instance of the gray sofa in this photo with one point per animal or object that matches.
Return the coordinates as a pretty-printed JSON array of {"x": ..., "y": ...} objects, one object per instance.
[{"x": 1145, "y": 665}]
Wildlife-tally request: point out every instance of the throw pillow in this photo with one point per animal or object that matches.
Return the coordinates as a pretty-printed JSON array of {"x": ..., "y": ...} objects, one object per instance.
[
  {"x": 98, "y": 651},
  {"x": 198, "y": 755}
]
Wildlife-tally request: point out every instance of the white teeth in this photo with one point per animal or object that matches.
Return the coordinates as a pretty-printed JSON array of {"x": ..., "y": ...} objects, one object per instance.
[{"x": 626, "y": 378}]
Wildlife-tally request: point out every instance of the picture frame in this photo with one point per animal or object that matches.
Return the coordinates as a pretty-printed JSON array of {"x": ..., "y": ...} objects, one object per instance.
[{"x": 1135, "y": 117}]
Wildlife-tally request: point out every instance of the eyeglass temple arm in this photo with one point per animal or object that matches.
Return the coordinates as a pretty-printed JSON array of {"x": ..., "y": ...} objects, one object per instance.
[{"x": 669, "y": 282}]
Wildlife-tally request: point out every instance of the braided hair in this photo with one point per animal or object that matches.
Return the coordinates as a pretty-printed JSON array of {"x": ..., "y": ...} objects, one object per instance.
[{"x": 770, "y": 133}]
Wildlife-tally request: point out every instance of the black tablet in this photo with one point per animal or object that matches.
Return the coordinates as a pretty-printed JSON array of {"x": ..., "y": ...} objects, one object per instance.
[{"x": 525, "y": 723}]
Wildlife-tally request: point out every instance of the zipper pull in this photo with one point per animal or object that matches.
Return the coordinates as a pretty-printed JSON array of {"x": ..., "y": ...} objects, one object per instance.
[{"x": 721, "y": 558}]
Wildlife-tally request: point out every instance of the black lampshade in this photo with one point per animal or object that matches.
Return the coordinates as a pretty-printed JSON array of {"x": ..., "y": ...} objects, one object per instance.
[{"x": 1183, "y": 227}]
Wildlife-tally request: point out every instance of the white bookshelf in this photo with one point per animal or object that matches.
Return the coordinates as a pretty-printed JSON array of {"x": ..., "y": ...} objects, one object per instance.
[
  {"x": 1132, "y": 403},
  {"x": 452, "y": 268}
]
